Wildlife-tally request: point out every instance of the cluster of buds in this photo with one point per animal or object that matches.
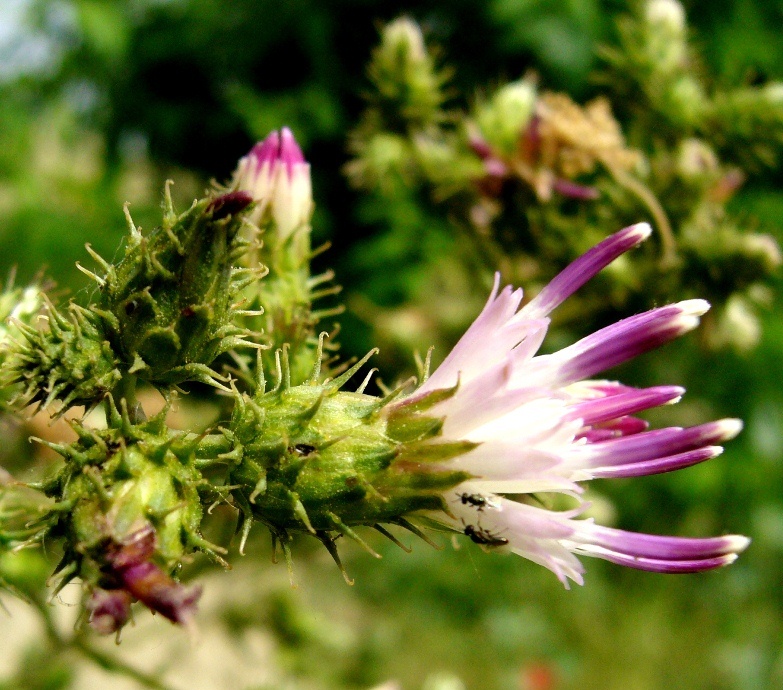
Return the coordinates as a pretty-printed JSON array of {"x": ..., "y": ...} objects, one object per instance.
[
  {"x": 305, "y": 455},
  {"x": 536, "y": 177},
  {"x": 547, "y": 142}
]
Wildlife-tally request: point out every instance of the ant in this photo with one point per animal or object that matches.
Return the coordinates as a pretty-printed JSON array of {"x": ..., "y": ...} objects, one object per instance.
[
  {"x": 484, "y": 537},
  {"x": 476, "y": 500}
]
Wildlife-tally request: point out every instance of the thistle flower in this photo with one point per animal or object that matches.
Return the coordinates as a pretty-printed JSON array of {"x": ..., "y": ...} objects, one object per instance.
[
  {"x": 540, "y": 425},
  {"x": 492, "y": 420},
  {"x": 277, "y": 176}
]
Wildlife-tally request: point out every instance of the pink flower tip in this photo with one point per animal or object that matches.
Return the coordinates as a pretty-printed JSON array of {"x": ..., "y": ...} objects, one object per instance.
[
  {"x": 290, "y": 153},
  {"x": 268, "y": 150}
]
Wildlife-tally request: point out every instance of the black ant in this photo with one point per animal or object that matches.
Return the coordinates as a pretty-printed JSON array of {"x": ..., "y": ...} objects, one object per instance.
[
  {"x": 484, "y": 537},
  {"x": 476, "y": 500}
]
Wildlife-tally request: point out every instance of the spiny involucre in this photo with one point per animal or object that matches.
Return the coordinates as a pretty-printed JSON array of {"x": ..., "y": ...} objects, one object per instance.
[
  {"x": 163, "y": 313},
  {"x": 128, "y": 505},
  {"x": 168, "y": 305}
]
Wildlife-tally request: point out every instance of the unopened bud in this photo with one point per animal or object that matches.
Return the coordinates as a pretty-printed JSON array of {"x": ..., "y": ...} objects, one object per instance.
[
  {"x": 503, "y": 120},
  {"x": 774, "y": 92},
  {"x": 408, "y": 84},
  {"x": 696, "y": 159},
  {"x": 403, "y": 37},
  {"x": 277, "y": 176},
  {"x": 665, "y": 34}
]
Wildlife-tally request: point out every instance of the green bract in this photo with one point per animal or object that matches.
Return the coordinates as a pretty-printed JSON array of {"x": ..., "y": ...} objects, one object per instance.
[
  {"x": 69, "y": 360},
  {"x": 314, "y": 458},
  {"x": 167, "y": 304}
]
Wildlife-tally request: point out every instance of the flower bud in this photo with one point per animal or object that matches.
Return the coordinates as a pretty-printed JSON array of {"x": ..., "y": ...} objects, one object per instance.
[
  {"x": 317, "y": 460},
  {"x": 696, "y": 160},
  {"x": 277, "y": 177},
  {"x": 408, "y": 85},
  {"x": 665, "y": 34},
  {"x": 503, "y": 120},
  {"x": 666, "y": 14},
  {"x": 167, "y": 304},
  {"x": 69, "y": 360},
  {"x": 403, "y": 37},
  {"x": 132, "y": 515}
]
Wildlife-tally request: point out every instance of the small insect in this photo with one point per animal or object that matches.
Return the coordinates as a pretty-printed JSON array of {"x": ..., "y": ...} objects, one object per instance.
[
  {"x": 304, "y": 449},
  {"x": 484, "y": 537},
  {"x": 476, "y": 500}
]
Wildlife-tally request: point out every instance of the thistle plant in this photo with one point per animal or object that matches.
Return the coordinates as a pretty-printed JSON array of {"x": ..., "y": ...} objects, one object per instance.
[
  {"x": 525, "y": 179},
  {"x": 219, "y": 298}
]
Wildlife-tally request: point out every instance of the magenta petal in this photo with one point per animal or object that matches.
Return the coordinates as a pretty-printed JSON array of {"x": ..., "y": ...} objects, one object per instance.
[
  {"x": 266, "y": 151},
  {"x": 109, "y": 610},
  {"x": 584, "y": 268},
  {"x": 658, "y": 443},
  {"x": 658, "y": 465},
  {"x": 290, "y": 153},
  {"x": 572, "y": 190},
  {"x": 155, "y": 589},
  {"x": 625, "y": 402},
  {"x": 654, "y": 565},
  {"x": 622, "y": 341},
  {"x": 655, "y": 553},
  {"x": 662, "y": 547}
]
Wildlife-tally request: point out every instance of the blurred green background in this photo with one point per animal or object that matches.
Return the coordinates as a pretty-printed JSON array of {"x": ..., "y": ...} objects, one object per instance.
[{"x": 103, "y": 100}]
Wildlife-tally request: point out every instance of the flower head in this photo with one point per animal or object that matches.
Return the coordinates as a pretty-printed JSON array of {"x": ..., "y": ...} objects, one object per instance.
[
  {"x": 277, "y": 176},
  {"x": 541, "y": 425}
]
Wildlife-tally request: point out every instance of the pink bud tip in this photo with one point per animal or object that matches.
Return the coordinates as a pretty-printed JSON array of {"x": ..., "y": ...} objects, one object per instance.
[
  {"x": 268, "y": 150},
  {"x": 290, "y": 153}
]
